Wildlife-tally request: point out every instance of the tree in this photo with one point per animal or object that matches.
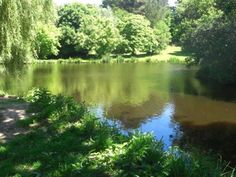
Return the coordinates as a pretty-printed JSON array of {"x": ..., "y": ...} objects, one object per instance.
[
  {"x": 132, "y": 6},
  {"x": 153, "y": 10},
  {"x": 47, "y": 41},
  {"x": 207, "y": 28},
  {"x": 156, "y": 10},
  {"x": 190, "y": 14},
  {"x": 70, "y": 18},
  {"x": 18, "y": 22},
  {"x": 138, "y": 36},
  {"x": 98, "y": 34},
  {"x": 162, "y": 32}
]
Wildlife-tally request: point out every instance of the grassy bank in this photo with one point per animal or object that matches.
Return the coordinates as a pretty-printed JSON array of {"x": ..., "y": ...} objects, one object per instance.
[
  {"x": 67, "y": 140},
  {"x": 172, "y": 54}
]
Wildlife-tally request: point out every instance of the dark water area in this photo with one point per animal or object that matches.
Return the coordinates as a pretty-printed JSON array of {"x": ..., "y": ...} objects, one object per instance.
[{"x": 164, "y": 99}]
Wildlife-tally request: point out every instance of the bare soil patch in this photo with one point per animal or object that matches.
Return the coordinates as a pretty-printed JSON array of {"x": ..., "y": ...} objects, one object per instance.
[{"x": 11, "y": 110}]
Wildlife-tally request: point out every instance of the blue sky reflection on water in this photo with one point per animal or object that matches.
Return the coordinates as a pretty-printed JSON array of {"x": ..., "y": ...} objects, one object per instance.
[{"x": 161, "y": 126}]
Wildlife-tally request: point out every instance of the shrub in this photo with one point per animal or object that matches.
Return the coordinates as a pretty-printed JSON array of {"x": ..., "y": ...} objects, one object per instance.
[{"x": 54, "y": 108}]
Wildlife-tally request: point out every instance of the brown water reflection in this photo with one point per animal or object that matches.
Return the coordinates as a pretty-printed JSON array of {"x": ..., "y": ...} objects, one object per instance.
[
  {"x": 199, "y": 110},
  {"x": 163, "y": 98}
]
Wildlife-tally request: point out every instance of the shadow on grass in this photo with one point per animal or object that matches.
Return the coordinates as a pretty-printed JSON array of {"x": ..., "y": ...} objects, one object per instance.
[{"x": 47, "y": 151}]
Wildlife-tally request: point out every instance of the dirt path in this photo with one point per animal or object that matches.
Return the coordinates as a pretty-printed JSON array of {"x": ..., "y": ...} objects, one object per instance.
[{"x": 11, "y": 110}]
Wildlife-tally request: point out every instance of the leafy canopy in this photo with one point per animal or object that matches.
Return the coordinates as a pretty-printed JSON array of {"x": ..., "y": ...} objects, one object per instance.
[{"x": 18, "y": 22}]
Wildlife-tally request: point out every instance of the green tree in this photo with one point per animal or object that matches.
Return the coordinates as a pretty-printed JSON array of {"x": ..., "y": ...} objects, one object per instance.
[
  {"x": 190, "y": 14},
  {"x": 207, "y": 29},
  {"x": 70, "y": 18},
  {"x": 156, "y": 10},
  {"x": 162, "y": 32},
  {"x": 47, "y": 41},
  {"x": 138, "y": 36},
  {"x": 132, "y": 6},
  {"x": 18, "y": 22},
  {"x": 98, "y": 34}
]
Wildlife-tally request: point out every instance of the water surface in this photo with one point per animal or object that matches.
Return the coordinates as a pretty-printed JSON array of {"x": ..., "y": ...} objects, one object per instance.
[{"x": 165, "y": 99}]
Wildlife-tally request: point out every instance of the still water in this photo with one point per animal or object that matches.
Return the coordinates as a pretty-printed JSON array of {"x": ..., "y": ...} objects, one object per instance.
[{"x": 164, "y": 99}]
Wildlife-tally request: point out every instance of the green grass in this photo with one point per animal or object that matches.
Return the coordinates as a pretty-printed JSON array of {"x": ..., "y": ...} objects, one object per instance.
[
  {"x": 172, "y": 54},
  {"x": 66, "y": 140}
]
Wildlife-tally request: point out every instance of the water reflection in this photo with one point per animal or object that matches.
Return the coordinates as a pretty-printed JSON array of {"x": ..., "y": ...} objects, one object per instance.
[
  {"x": 162, "y": 125},
  {"x": 161, "y": 98}
]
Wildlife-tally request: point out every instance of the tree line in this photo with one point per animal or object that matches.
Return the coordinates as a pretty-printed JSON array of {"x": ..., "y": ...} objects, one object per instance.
[{"x": 87, "y": 29}]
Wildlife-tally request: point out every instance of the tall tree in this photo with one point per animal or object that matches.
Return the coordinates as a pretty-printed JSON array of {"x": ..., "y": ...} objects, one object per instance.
[
  {"x": 18, "y": 22},
  {"x": 207, "y": 29},
  {"x": 132, "y": 6},
  {"x": 155, "y": 10}
]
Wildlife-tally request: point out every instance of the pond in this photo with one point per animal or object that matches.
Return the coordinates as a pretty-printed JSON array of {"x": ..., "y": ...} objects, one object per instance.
[{"x": 165, "y": 99}]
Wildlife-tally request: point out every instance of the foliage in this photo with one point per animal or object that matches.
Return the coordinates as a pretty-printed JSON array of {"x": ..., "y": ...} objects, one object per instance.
[
  {"x": 192, "y": 13},
  {"x": 153, "y": 10},
  {"x": 47, "y": 41},
  {"x": 71, "y": 14},
  {"x": 98, "y": 34},
  {"x": 162, "y": 32},
  {"x": 207, "y": 29},
  {"x": 67, "y": 42},
  {"x": 70, "y": 18},
  {"x": 53, "y": 107},
  {"x": 138, "y": 36},
  {"x": 156, "y": 11},
  {"x": 18, "y": 21},
  {"x": 72, "y": 142},
  {"x": 132, "y": 6}
]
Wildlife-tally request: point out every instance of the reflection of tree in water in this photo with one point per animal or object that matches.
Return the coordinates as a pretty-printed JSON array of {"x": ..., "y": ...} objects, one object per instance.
[
  {"x": 187, "y": 83},
  {"x": 10, "y": 77},
  {"x": 219, "y": 137},
  {"x": 203, "y": 111},
  {"x": 132, "y": 116},
  {"x": 206, "y": 123},
  {"x": 110, "y": 84}
]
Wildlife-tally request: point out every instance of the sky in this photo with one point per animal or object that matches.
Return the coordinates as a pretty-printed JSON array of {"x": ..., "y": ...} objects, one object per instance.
[{"x": 60, "y": 2}]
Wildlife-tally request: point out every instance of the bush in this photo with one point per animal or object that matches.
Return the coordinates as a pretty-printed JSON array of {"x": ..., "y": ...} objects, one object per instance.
[{"x": 48, "y": 106}]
